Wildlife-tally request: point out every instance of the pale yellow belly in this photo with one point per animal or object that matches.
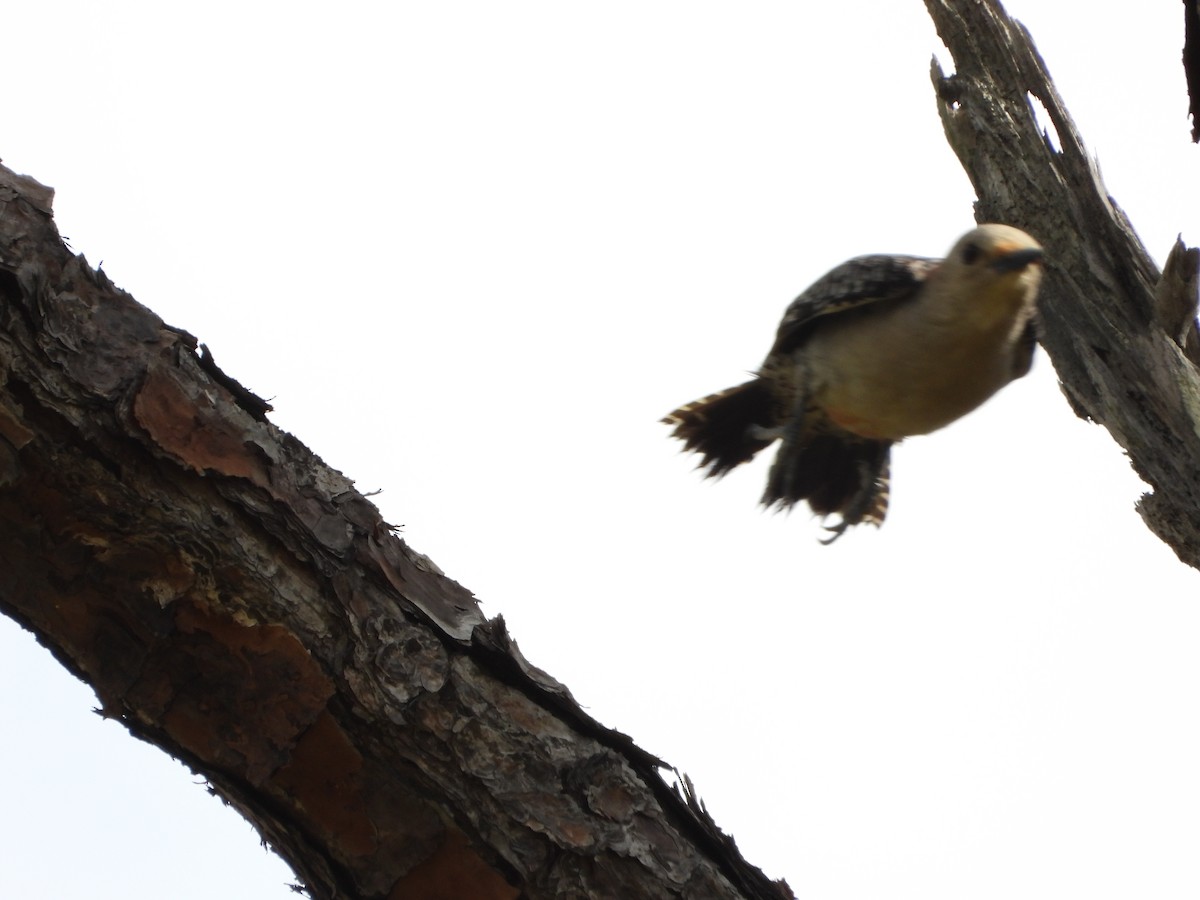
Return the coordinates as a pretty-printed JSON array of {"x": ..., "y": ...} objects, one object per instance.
[{"x": 898, "y": 388}]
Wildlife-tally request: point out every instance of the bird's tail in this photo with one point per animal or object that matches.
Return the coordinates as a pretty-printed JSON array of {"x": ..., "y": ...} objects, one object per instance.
[
  {"x": 835, "y": 473},
  {"x": 726, "y": 428}
]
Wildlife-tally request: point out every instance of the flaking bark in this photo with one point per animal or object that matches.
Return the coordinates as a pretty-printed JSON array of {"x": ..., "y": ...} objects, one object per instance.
[
  {"x": 1118, "y": 331},
  {"x": 239, "y": 604}
]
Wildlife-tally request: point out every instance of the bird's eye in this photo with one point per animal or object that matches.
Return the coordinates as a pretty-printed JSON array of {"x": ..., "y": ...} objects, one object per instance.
[{"x": 971, "y": 253}]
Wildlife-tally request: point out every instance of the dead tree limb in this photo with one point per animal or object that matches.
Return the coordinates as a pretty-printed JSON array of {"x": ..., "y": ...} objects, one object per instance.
[
  {"x": 1119, "y": 333},
  {"x": 239, "y": 604}
]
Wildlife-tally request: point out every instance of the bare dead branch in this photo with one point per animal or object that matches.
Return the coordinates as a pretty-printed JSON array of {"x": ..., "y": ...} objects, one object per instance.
[{"x": 1117, "y": 364}]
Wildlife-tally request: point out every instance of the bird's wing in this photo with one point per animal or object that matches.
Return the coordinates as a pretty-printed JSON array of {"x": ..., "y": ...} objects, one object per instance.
[{"x": 861, "y": 281}]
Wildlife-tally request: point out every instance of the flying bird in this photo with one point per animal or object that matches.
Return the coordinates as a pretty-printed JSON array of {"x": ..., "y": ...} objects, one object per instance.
[{"x": 879, "y": 349}]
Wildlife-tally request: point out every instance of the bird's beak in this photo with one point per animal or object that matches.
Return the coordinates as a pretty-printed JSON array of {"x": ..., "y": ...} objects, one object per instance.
[{"x": 1016, "y": 260}]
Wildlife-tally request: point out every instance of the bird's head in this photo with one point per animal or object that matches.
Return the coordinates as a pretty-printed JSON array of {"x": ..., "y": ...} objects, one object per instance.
[
  {"x": 996, "y": 251},
  {"x": 997, "y": 267}
]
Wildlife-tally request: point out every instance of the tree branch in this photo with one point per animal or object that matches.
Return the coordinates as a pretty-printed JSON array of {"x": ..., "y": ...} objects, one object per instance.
[
  {"x": 239, "y": 604},
  {"x": 1116, "y": 335}
]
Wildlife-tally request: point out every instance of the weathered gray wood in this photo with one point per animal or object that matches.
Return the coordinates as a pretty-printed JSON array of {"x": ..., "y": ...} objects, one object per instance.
[
  {"x": 1120, "y": 355},
  {"x": 239, "y": 604}
]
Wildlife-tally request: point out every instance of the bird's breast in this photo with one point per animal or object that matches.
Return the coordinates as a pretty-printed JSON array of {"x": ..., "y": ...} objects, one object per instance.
[{"x": 898, "y": 377}]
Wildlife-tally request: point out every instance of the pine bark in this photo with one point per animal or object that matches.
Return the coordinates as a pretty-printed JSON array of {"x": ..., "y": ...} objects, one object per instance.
[{"x": 238, "y": 603}]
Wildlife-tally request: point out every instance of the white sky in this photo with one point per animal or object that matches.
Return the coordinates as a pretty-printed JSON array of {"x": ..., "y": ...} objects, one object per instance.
[{"x": 473, "y": 251}]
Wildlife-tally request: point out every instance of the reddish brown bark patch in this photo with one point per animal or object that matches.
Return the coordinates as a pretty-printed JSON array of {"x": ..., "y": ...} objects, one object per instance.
[
  {"x": 194, "y": 430},
  {"x": 454, "y": 871},
  {"x": 223, "y": 696},
  {"x": 324, "y": 779}
]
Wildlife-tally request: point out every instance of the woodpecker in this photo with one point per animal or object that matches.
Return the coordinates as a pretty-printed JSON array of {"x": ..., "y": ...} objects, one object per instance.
[{"x": 879, "y": 349}]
